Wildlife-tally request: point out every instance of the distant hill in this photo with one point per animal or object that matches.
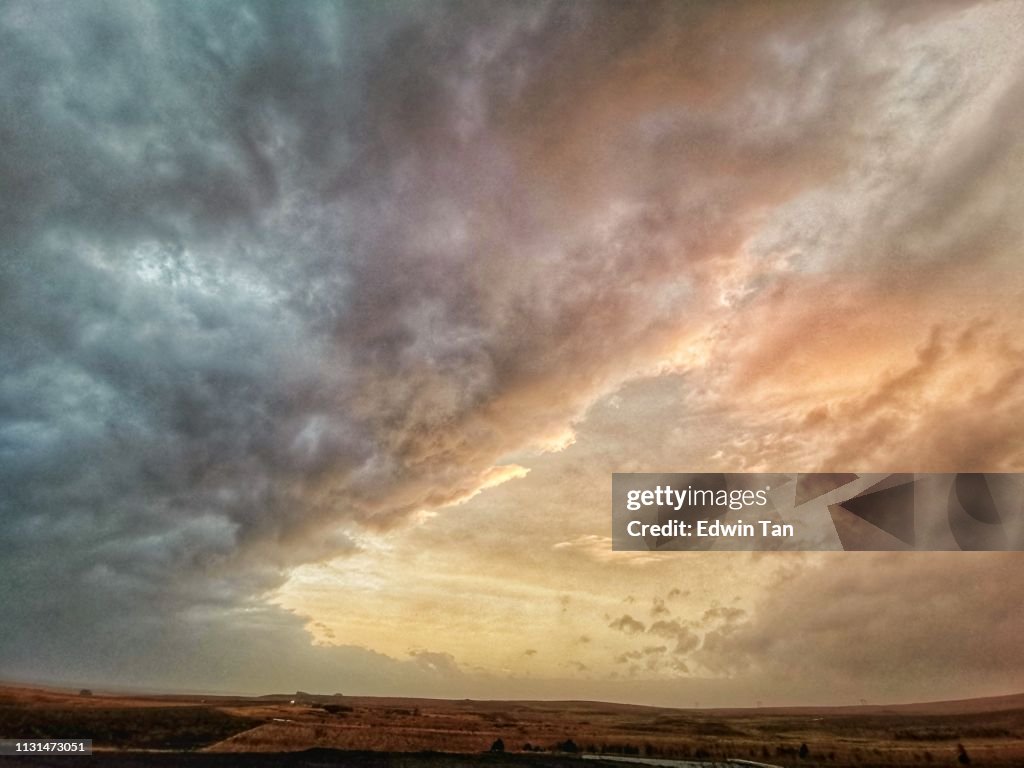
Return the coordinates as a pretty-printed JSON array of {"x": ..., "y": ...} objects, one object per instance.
[{"x": 12, "y": 692}]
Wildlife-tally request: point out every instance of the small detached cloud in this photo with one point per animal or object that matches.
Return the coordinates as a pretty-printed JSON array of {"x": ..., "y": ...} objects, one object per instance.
[
  {"x": 442, "y": 664},
  {"x": 627, "y": 624}
]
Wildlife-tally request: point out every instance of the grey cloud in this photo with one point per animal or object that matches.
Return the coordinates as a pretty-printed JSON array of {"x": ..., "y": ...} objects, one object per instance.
[
  {"x": 881, "y": 626},
  {"x": 273, "y": 279},
  {"x": 722, "y": 614},
  {"x": 666, "y": 628},
  {"x": 686, "y": 639},
  {"x": 652, "y": 657},
  {"x": 627, "y": 624}
]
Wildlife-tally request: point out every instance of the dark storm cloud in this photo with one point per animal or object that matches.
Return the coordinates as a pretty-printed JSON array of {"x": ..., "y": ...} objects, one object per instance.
[
  {"x": 275, "y": 277},
  {"x": 267, "y": 274}
]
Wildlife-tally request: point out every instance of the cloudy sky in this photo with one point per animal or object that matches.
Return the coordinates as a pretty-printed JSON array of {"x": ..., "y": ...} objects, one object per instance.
[{"x": 326, "y": 324}]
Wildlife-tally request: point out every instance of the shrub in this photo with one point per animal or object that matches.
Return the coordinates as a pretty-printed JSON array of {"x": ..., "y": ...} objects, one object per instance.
[{"x": 567, "y": 746}]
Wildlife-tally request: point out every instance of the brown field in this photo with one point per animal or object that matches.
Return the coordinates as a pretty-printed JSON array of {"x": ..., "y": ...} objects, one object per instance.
[{"x": 394, "y": 733}]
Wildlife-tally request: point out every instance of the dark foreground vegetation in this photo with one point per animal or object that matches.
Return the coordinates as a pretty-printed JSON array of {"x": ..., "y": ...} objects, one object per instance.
[
  {"x": 310, "y": 758},
  {"x": 170, "y": 728}
]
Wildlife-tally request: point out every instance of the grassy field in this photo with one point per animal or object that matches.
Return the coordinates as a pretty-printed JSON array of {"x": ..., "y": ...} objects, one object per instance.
[{"x": 401, "y": 733}]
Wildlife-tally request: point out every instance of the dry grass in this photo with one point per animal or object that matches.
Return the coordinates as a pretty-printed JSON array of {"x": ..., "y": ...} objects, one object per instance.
[{"x": 920, "y": 735}]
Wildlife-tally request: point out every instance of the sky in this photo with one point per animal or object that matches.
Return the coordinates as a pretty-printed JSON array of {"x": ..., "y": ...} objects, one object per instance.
[{"x": 326, "y": 324}]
